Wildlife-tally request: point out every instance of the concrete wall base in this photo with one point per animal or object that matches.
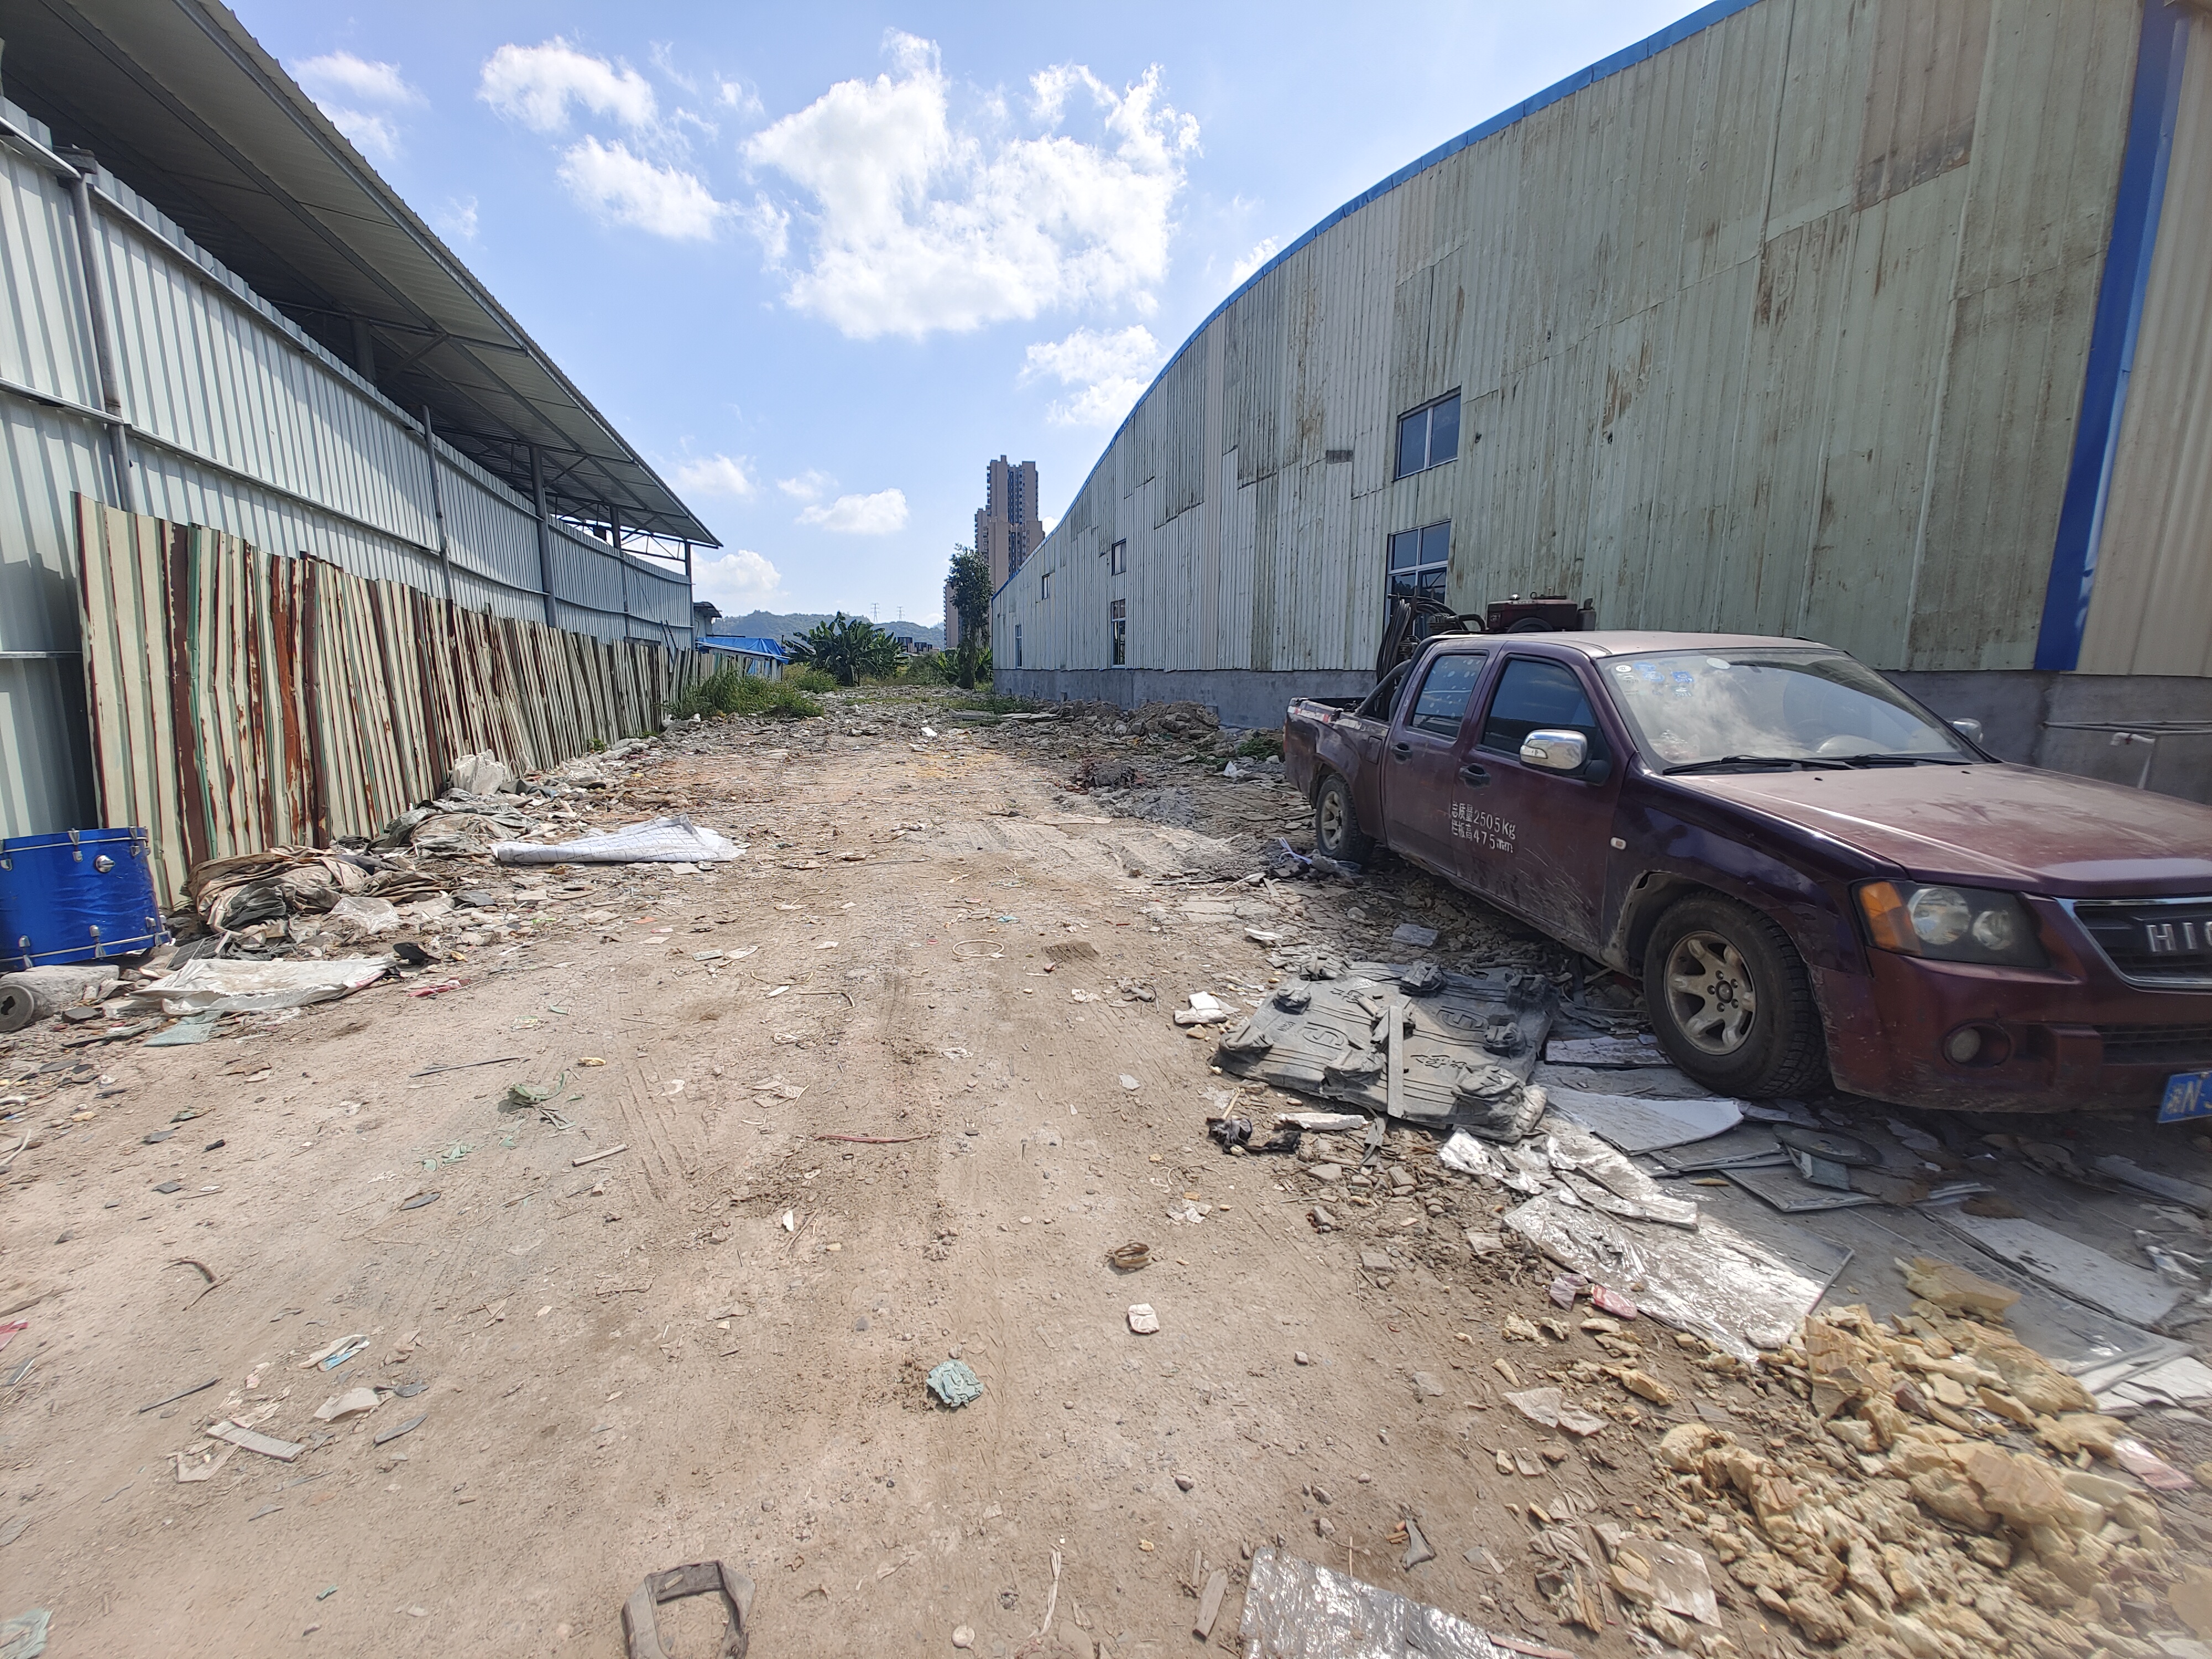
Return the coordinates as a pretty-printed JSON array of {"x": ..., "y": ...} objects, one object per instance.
[
  {"x": 1240, "y": 696},
  {"x": 2023, "y": 712}
]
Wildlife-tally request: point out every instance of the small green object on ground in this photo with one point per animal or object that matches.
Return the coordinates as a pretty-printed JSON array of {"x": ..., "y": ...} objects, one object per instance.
[{"x": 955, "y": 1383}]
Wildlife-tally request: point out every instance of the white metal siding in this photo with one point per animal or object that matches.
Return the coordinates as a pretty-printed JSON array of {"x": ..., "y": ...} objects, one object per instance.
[
  {"x": 2151, "y": 610},
  {"x": 241, "y": 422},
  {"x": 1781, "y": 329}
]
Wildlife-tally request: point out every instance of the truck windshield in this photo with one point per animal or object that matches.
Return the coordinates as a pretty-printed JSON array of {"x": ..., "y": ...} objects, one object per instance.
[{"x": 1771, "y": 709}]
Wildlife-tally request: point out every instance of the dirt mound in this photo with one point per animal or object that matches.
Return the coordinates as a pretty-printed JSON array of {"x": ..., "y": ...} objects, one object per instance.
[
  {"x": 1171, "y": 720},
  {"x": 1108, "y": 772}
]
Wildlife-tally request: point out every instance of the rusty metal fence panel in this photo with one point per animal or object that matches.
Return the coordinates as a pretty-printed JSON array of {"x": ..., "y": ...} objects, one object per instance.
[{"x": 239, "y": 701}]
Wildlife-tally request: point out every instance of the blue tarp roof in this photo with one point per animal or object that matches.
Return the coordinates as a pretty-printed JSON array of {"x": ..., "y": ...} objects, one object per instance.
[{"x": 752, "y": 644}]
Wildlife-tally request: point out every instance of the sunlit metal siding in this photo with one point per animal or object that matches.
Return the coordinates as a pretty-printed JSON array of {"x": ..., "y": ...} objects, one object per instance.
[
  {"x": 238, "y": 422},
  {"x": 2151, "y": 611},
  {"x": 241, "y": 700},
  {"x": 1778, "y": 327}
]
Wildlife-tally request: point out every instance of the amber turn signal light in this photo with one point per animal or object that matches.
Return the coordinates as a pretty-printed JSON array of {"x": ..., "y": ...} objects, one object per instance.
[{"x": 1888, "y": 925}]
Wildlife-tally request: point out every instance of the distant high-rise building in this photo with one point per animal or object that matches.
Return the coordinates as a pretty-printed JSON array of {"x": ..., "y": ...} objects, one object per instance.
[
  {"x": 1007, "y": 529},
  {"x": 951, "y": 619}
]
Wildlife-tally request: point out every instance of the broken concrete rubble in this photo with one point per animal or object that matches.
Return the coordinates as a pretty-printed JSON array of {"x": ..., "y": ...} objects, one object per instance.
[
  {"x": 1407, "y": 1040},
  {"x": 1853, "y": 1546}
]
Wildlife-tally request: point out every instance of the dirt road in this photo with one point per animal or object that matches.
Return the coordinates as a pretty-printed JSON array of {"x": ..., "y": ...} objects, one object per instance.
[{"x": 711, "y": 1343}]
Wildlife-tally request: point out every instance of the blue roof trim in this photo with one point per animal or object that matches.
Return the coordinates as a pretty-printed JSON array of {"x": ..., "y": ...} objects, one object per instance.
[
  {"x": 752, "y": 645},
  {"x": 2120, "y": 289},
  {"x": 1652, "y": 45}
]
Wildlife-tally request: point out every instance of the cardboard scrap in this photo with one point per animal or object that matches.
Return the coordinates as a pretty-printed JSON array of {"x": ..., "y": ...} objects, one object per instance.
[
  {"x": 1554, "y": 1410},
  {"x": 282, "y": 1450}
]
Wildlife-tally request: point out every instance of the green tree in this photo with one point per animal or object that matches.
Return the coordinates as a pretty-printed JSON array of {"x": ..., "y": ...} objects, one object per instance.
[
  {"x": 848, "y": 649},
  {"x": 971, "y": 602}
]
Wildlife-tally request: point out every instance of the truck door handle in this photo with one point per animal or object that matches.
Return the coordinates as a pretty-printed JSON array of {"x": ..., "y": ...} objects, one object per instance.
[
  {"x": 1403, "y": 750},
  {"x": 1474, "y": 775}
]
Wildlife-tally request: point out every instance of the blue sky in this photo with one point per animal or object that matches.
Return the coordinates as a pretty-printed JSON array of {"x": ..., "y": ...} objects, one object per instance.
[{"x": 820, "y": 263}]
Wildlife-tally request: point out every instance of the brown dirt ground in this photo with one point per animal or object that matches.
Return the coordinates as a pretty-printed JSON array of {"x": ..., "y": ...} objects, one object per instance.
[{"x": 637, "y": 1363}]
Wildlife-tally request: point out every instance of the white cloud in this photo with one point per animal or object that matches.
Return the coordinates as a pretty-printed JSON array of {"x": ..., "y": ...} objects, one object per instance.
[
  {"x": 631, "y": 190},
  {"x": 371, "y": 134},
  {"x": 917, "y": 224},
  {"x": 735, "y": 94},
  {"x": 738, "y": 581},
  {"x": 1261, "y": 254},
  {"x": 459, "y": 218},
  {"x": 535, "y": 85},
  {"x": 360, "y": 79},
  {"x": 880, "y": 514},
  {"x": 345, "y": 87},
  {"x": 714, "y": 475},
  {"x": 1110, "y": 371},
  {"x": 809, "y": 486}
]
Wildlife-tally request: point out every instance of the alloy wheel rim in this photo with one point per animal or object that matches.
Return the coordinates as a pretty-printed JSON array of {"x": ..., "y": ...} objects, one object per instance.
[
  {"x": 1711, "y": 994},
  {"x": 1331, "y": 819}
]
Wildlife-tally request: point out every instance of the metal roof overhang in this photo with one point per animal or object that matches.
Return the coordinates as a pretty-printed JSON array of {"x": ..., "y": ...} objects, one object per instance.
[{"x": 178, "y": 101}]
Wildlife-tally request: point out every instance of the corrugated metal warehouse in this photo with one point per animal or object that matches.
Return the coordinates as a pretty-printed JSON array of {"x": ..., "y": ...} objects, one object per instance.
[
  {"x": 219, "y": 315},
  {"x": 1887, "y": 323}
]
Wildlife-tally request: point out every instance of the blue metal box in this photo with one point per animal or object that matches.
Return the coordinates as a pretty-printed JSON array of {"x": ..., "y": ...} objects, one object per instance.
[{"x": 78, "y": 896}]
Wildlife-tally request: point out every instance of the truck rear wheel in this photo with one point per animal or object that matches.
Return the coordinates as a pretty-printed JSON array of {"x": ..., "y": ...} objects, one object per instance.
[
  {"x": 1337, "y": 833},
  {"x": 1730, "y": 1001}
]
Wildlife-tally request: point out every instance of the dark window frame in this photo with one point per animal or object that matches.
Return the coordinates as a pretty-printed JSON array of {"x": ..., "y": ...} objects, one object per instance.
[
  {"x": 1117, "y": 558},
  {"x": 1426, "y": 414},
  {"x": 1420, "y": 567},
  {"x": 1593, "y": 729},
  {"x": 1477, "y": 662},
  {"x": 1117, "y": 622}
]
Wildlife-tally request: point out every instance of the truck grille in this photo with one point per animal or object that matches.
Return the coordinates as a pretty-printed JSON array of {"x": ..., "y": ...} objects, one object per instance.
[
  {"x": 2187, "y": 1047},
  {"x": 2152, "y": 941}
]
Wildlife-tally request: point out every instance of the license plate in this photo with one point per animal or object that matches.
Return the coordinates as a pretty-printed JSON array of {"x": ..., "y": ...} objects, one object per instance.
[{"x": 2188, "y": 1094}]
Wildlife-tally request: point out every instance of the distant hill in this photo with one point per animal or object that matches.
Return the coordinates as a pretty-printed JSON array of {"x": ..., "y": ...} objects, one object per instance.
[{"x": 777, "y": 625}]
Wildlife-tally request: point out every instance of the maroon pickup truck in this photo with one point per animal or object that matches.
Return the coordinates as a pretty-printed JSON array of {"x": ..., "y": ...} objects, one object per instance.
[{"x": 1815, "y": 878}]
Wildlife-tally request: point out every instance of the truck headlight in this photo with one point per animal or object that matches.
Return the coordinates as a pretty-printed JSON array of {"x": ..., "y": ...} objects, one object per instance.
[{"x": 1949, "y": 924}]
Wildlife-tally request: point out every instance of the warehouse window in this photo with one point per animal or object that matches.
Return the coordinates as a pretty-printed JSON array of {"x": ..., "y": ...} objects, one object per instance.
[
  {"x": 1017, "y": 645},
  {"x": 1117, "y": 558},
  {"x": 1429, "y": 436},
  {"x": 1418, "y": 561},
  {"x": 1044, "y": 585},
  {"x": 1118, "y": 619}
]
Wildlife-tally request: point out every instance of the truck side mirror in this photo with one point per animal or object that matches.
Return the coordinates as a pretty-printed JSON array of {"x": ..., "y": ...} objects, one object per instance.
[
  {"x": 1555, "y": 751},
  {"x": 1970, "y": 730}
]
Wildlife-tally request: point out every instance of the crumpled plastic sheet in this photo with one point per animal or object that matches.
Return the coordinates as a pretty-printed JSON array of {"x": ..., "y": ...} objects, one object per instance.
[
  {"x": 1738, "y": 1295},
  {"x": 1296, "y": 1610},
  {"x": 210, "y": 984},
  {"x": 672, "y": 840}
]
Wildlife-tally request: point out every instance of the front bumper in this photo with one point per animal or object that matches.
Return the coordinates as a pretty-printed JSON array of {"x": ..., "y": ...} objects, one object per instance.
[{"x": 2073, "y": 1037}]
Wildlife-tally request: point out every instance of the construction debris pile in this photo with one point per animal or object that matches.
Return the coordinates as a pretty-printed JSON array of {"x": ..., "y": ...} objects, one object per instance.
[{"x": 1967, "y": 1498}]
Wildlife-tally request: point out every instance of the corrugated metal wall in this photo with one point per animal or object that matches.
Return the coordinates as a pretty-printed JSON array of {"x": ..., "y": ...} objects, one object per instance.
[
  {"x": 241, "y": 701},
  {"x": 237, "y": 421},
  {"x": 1779, "y": 328},
  {"x": 2148, "y": 610}
]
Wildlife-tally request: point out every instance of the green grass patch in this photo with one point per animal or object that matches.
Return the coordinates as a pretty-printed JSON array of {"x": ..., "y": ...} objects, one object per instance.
[{"x": 727, "y": 691}]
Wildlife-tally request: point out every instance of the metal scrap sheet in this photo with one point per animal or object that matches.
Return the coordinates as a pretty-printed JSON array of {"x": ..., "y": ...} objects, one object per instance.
[
  {"x": 1466, "y": 1050},
  {"x": 1294, "y": 1609},
  {"x": 1739, "y": 1294}
]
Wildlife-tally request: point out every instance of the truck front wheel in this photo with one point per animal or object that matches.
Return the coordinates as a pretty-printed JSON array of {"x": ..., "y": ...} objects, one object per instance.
[
  {"x": 1337, "y": 833},
  {"x": 1730, "y": 1001}
]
